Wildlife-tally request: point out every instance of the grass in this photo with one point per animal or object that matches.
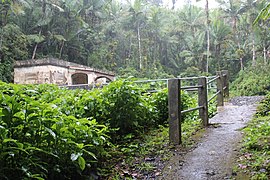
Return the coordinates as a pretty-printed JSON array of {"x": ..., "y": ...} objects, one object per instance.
[
  {"x": 254, "y": 158},
  {"x": 142, "y": 158}
]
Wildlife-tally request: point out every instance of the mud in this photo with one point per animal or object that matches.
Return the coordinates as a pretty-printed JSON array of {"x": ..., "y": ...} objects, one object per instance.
[{"x": 212, "y": 158}]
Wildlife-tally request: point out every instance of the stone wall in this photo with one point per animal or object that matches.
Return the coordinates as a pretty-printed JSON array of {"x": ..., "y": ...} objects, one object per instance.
[
  {"x": 54, "y": 71},
  {"x": 41, "y": 74}
]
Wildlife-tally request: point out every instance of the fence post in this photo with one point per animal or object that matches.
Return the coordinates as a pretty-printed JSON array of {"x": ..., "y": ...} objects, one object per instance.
[
  {"x": 202, "y": 93},
  {"x": 226, "y": 83},
  {"x": 220, "y": 100},
  {"x": 174, "y": 97}
]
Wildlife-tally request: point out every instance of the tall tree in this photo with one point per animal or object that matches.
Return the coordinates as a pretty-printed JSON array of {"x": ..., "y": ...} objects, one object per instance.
[
  {"x": 220, "y": 34},
  {"x": 137, "y": 11},
  {"x": 207, "y": 34},
  {"x": 262, "y": 22}
]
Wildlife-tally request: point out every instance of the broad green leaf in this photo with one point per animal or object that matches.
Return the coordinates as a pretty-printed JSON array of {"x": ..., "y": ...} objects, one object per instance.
[
  {"x": 81, "y": 162},
  {"x": 41, "y": 150},
  {"x": 37, "y": 176},
  {"x": 31, "y": 91},
  {"x": 80, "y": 146},
  {"x": 9, "y": 140},
  {"x": 20, "y": 149},
  {"x": 90, "y": 153}
]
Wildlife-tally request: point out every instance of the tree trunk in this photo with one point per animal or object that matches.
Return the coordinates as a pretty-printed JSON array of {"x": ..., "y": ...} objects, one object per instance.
[
  {"x": 208, "y": 35},
  {"x": 1, "y": 42},
  {"x": 35, "y": 48},
  {"x": 3, "y": 22},
  {"x": 39, "y": 33},
  {"x": 253, "y": 50},
  {"x": 173, "y": 4},
  {"x": 241, "y": 63},
  {"x": 218, "y": 56},
  {"x": 130, "y": 47},
  {"x": 234, "y": 20},
  {"x": 139, "y": 47},
  {"x": 61, "y": 49},
  {"x": 264, "y": 55},
  {"x": 5, "y": 18}
]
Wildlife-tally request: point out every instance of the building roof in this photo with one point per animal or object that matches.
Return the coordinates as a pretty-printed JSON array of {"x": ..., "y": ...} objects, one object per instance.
[{"x": 59, "y": 63}]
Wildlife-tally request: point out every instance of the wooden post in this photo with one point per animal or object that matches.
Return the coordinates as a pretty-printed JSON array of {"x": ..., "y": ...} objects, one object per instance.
[
  {"x": 226, "y": 83},
  {"x": 174, "y": 97},
  {"x": 220, "y": 100},
  {"x": 202, "y": 93}
]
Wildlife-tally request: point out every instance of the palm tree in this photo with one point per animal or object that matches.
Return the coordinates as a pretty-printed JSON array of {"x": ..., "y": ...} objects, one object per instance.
[
  {"x": 191, "y": 18},
  {"x": 220, "y": 32},
  {"x": 234, "y": 9},
  {"x": 261, "y": 23},
  {"x": 264, "y": 13},
  {"x": 207, "y": 34},
  {"x": 138, "y": 16},
  {"x": 250, "y": 8},
  {"x": 194, "y": 51}
]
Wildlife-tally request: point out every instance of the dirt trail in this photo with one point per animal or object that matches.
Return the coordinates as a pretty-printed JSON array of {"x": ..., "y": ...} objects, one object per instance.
[{"x": 213, "y": 157}]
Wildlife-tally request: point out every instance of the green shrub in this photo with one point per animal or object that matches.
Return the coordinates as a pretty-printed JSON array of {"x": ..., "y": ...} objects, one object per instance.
[
  {"x": 264, "y": 107},
  {"x": 160, "y": 101},
  {"x": 52, "y": 133},
  {"x": 212, "y": 109},
  {"x": 256, "y": 144},
  {"x": 125, "y": 107},
  {"x": 252, "y": 81},
  {"x": 38, "y": 141}
]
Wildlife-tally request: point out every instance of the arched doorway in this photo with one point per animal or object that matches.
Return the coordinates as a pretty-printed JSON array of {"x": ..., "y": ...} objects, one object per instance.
[
  {"x": 79, "y": 78},
  {"x": 102, "y": 79}
]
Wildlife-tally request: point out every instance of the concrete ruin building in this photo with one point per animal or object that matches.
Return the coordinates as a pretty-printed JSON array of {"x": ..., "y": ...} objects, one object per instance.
[{"x": 55, "y": 71}]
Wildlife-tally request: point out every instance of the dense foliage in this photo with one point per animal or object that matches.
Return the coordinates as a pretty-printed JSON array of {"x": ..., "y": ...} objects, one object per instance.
[
  {"x": 40, "y": 141},
  {"x": 255, "y": 80},
  {"x": 255, "y": 157},
  {"x": 52, "y": 133},
  {"x": 143, "y": 38}
]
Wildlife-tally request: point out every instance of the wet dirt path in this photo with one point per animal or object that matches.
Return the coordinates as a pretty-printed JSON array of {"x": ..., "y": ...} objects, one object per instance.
[{"x": 213, "y": 157}]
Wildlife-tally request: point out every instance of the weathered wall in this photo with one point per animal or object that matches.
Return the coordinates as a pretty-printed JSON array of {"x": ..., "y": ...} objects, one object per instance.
[
  {"x": 54, "y": 71},
  {"x": 41, "y": 75},
  {"x": 48, "y": 74}
]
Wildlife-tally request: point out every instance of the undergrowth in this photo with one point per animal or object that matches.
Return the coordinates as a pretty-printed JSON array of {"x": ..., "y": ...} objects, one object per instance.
[
  {"x": 52, "y": 133},
  {"x": 255, "y": 152},
  {"x": 145, "y": 158},
  {"x": 254, "y": 80}
]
